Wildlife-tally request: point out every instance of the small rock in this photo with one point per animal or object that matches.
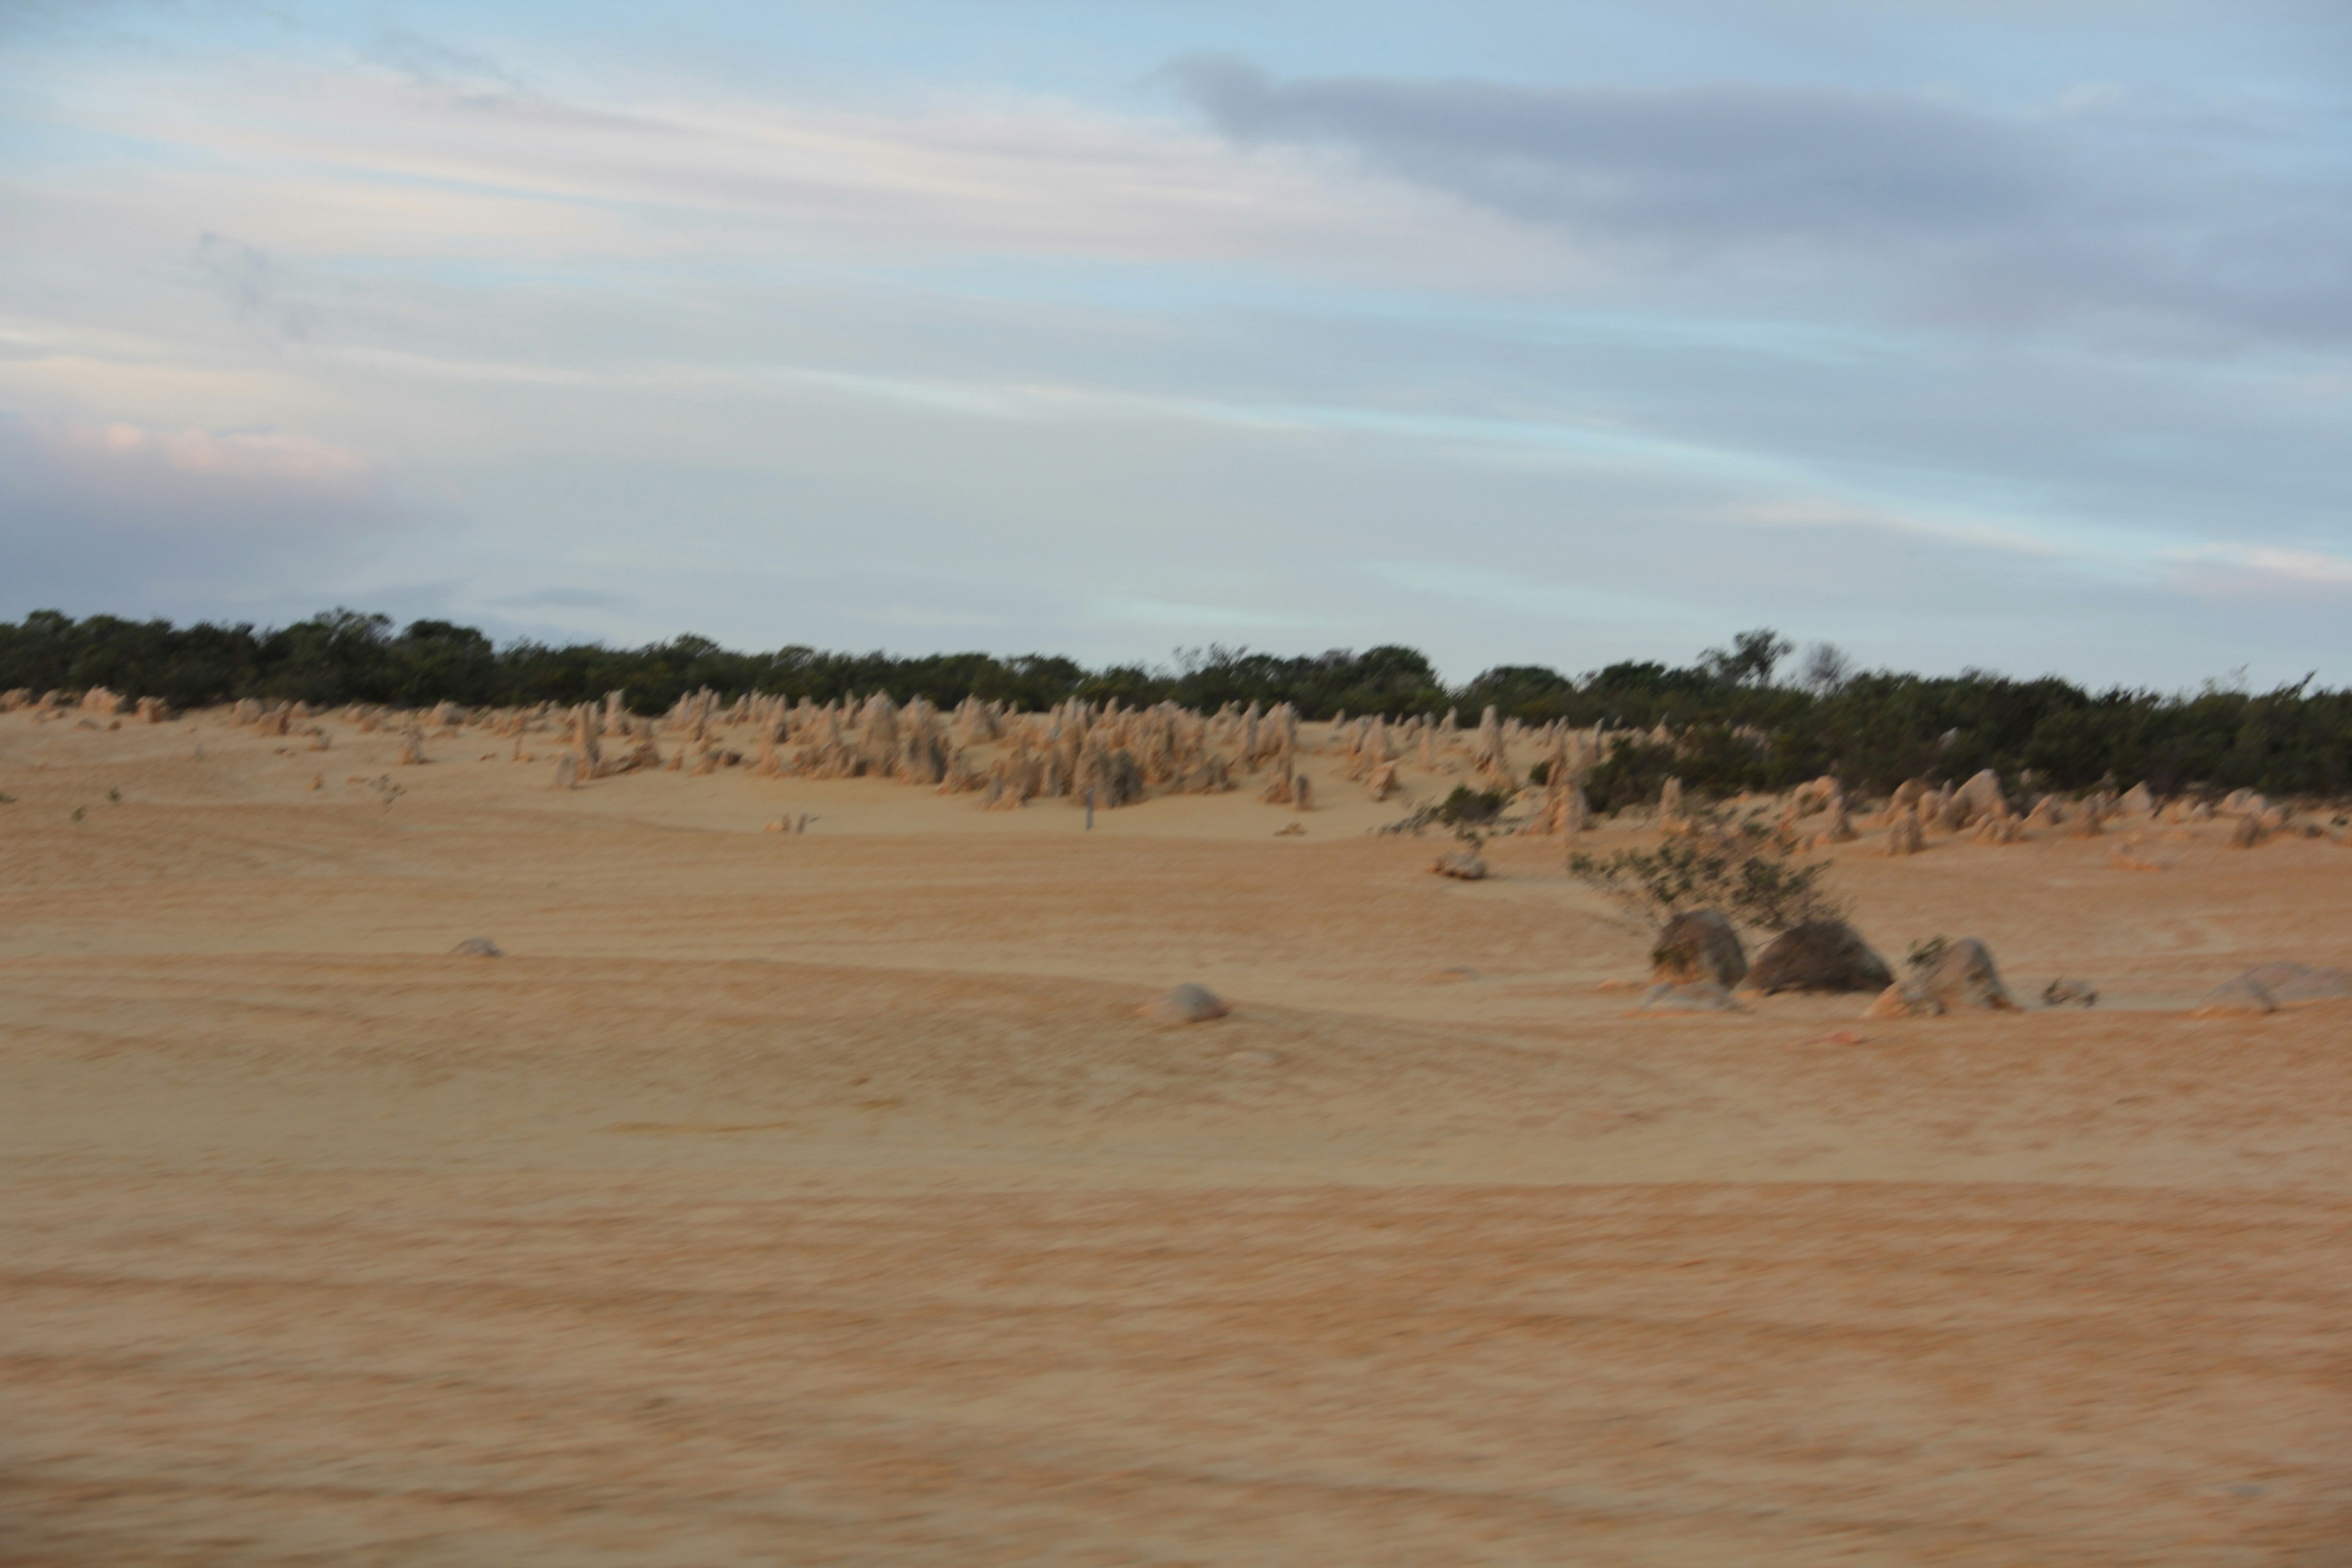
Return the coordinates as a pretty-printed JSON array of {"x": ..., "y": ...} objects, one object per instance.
[
  {"x": 1462, "y": 866},
  {"x": 2062, "y": 993},
  {"x": 477, "y": 947},
  {"x": 1187, "y": 1004}
]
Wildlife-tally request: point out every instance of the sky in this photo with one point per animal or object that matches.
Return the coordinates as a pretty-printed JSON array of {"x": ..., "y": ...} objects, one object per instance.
[{"x": 2014, "y": 334}]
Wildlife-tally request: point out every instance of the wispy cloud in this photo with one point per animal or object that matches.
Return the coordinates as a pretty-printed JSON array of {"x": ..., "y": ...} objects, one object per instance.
[{"x": 2086, "y": 210}]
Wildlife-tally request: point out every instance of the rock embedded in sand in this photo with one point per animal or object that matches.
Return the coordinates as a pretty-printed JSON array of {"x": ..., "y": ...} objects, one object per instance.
[
  {"x": 1187, "y": 1004},
  {"x": 2064, "y": 993},
  {"x": 1698, "y": 945},
  {"x": 477, "y": 947},
  {"x": 1462, "y": 865},
  {"x": 1818, "y": 955},
  {"x": 1964, "y": 978},
  {"x": 2267, "y": 987}
]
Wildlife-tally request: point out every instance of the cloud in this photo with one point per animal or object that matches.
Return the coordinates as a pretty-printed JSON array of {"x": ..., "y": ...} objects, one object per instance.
[
  {"x": 259, "y": 456},
  {"x": 252, "y": 285},
  {"x": 133, "y": 519},
  {"x": 2105, "y": 206},
  {"x": 429, "y": 61},
  {"x": 1701, "y": 165}
]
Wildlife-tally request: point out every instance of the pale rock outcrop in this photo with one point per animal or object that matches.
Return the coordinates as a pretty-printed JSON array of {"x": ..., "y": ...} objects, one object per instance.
[{"x": 1964, "y": 977}]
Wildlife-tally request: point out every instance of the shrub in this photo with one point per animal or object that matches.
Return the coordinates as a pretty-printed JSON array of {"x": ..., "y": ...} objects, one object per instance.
[{"x": 1740, "y": 866}]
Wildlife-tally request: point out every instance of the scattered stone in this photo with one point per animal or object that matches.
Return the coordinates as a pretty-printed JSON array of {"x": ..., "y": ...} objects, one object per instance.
[
  {"x": 2064, "y": 993},
  {"x": 1187, "y": 1004},
  {"x": 1699, "y": 996},
  {"x": 477, "y": 947},
  {"x": 1820, "y": 955},
  {"x": 1462, "y": 865},
  {"x": 1698, "y": 945}
]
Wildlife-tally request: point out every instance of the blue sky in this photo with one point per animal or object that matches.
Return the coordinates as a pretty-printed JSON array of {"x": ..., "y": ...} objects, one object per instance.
[{"x": 2007, "y": 334}]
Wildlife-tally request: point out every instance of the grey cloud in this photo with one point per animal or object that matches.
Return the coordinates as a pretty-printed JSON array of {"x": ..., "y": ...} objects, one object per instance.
[
  {"x": 1708, "y": 163},
  {"x": 1941, "y": 210},
  {"x": 252, "y": 285},
  {"x": 87, "y": 529}
]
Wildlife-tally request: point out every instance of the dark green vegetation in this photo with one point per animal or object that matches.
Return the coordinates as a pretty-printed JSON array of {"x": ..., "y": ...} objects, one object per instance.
[
  {"x": 1737, "y": 865},
  {"x": 1736, "y": 726}
]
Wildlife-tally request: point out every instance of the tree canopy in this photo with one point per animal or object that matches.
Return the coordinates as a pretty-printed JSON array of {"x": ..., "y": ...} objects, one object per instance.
[{"x": 1733, "y": 725}]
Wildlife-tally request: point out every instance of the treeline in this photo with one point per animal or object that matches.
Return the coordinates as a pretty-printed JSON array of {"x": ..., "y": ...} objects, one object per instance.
[{"x": 1735, "y": 723}]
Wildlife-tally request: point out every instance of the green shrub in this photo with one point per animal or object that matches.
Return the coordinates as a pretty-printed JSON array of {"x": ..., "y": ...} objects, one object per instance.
[{"x": 1739, "y": 866}]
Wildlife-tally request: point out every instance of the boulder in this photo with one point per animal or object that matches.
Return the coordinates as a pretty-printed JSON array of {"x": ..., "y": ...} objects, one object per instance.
[
  {"x": 2138, "y": 801},
  {"x": 1964, "y": 977},
  {"x": 1699, "y": 996},
  {"x": 1698, "y": 944},
  {"x": 1820, "y": 955},
  {"x": 1187, "y": 1004}
]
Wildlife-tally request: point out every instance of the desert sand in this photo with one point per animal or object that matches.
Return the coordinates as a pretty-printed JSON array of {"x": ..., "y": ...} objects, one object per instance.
[{"x": 822, "y": 1197}]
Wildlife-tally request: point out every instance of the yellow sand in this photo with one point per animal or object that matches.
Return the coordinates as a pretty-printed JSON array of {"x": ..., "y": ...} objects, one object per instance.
[{"x": 820, "y": 1198}]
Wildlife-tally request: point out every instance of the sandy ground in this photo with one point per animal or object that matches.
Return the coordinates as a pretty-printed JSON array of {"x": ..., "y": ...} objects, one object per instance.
[{"x": 820, "y": 1198}]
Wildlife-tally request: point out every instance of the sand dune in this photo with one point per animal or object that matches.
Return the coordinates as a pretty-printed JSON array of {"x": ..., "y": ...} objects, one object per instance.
[{"x": 823, "y": 1198}]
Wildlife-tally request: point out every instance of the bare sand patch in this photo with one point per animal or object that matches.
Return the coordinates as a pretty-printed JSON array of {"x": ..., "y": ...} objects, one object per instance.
[{"x": 828, "y": 1198}]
